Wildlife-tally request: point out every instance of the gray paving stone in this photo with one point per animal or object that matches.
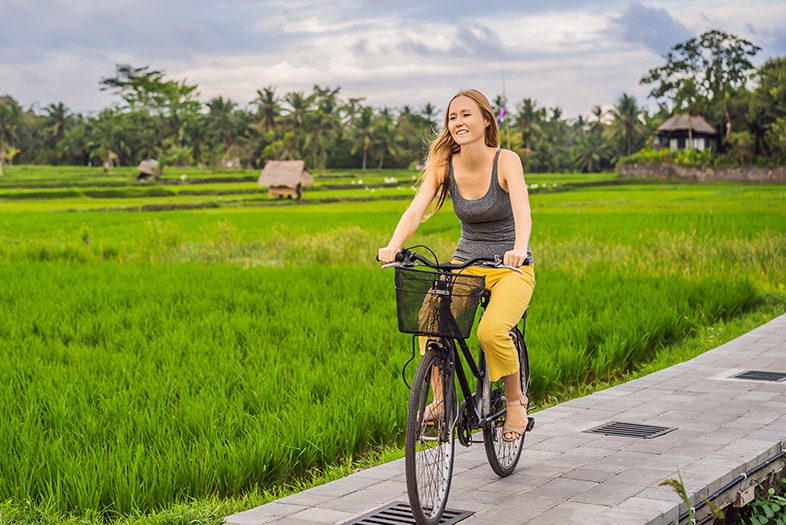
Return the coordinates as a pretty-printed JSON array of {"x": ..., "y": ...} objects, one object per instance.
[
  {"x": 291, "y": 520},
  {"x": 589, "y": 474},
  {"x": 641, "y": 510},
  {"x": 607, "y": 493},
  {"x": 264, "y": 514},
  {"x": 360, "y": 501},
  {"x": 562, "y": 488},
  {"x": 323, "y": 516},
  {"x": 568, "y": 513},
  {"x": 525, "y": 507},
  {"x": 516, "y": 483}
]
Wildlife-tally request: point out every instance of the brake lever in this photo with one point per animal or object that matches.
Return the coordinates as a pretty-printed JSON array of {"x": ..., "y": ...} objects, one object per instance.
[{"x": 498, "y": 264}]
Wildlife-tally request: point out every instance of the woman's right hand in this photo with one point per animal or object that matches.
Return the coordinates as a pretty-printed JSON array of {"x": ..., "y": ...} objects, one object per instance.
[{"x": 387, "y": 254}]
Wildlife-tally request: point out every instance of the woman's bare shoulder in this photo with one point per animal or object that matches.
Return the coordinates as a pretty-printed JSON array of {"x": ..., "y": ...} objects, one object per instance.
[{"x": 509, "y": 161}]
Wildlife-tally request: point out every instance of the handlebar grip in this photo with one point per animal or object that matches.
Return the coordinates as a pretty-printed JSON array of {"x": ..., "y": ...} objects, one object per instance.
[{"x": 401, "y": 255}]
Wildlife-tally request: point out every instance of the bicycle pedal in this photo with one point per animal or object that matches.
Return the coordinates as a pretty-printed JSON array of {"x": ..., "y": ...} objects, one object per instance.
[{"x": 530, "y": 423}]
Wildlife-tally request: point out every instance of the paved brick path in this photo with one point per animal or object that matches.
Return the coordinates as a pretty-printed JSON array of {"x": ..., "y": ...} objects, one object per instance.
[{"x": 724, "y": 428}]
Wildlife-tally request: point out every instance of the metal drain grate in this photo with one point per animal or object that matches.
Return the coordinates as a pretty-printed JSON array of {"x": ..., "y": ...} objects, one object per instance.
[
  {"x": 398, "y": 513},
  {"x": 615, "y": 428},
  {"x": 761, "y": 375}
]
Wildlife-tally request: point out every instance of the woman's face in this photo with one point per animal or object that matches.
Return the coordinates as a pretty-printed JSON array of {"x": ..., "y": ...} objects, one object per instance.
[{"x": 465, "y": 121}]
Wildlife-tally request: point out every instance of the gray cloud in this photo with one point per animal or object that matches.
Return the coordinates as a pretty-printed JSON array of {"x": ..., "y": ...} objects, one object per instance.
[
  {"x": 650, "y": 26},
  {"x": 561, "y": 52}
]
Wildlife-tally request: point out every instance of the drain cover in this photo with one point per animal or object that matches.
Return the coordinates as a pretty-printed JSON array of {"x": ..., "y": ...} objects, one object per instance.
[
  {"x": 761, "y": 375},
  {"x": 615, "y": 428},
  {"x": 397, "y": 513}
]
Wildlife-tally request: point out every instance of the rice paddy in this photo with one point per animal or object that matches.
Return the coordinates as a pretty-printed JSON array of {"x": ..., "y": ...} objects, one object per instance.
[{"x": 152, "y": 359}]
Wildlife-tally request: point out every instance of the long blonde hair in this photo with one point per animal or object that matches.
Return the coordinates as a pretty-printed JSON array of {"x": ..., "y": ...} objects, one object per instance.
[{"x": 444, "y": 147}]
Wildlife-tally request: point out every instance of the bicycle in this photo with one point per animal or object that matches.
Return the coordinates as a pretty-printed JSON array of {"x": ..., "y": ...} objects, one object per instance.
[{"x": 441, "y": 302}]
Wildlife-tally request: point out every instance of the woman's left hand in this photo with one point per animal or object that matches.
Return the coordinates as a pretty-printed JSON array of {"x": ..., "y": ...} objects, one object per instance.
[{"x": 514, "y": 258}]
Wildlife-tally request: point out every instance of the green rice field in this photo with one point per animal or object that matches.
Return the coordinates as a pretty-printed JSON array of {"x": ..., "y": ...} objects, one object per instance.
[{"x": 160, "y": 366}]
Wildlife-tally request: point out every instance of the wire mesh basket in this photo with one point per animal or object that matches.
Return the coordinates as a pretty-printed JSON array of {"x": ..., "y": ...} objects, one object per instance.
[{"x": 437, "y": 303}]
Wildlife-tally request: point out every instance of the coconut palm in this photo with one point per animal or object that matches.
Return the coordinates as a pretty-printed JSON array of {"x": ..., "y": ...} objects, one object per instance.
[
  {"x": 363, "y": 132},
  {"x": 55, "y": 123},
  {"x": 596, "y": 118},
  {"x": 106, "y": 142},
  {"x": 529, "y": 119},
  {"x": 590, "y": 153},
  {"x": 222, "y": 121},
  {"x": 430, "y": 112},
  {"x": 297, "y": 114},
  {"x": 384, "y": 137},
  {"x": 626, "y": 124},
  {"x": 268, "y": 108},
  {"x": 10, "y": 117}
]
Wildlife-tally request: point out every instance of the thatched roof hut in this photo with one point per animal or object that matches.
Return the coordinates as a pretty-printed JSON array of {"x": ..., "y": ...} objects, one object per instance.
[
  {"x": 285, "y": 177},
  {"x": 684, "y": 131},
  {"x": 685, "y": 122}
]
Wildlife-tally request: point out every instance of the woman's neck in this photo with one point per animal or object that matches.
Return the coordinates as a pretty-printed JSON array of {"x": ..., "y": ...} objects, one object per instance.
[{"x": 475, "y": 156}]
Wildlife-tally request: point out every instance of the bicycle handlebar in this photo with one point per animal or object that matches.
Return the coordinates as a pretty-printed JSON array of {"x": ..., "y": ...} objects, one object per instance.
[{"x": 406, "y": 257}]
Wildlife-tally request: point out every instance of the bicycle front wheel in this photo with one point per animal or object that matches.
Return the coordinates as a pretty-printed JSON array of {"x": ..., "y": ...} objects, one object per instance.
[
  {"x": 430, "y": 440},
  {"x": 503, "y": 456}
]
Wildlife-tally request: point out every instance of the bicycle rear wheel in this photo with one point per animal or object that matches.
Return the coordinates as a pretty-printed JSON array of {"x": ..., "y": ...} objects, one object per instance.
[
  {"x": 503, "y": 456},
  {"x": 430, "y": 439}
]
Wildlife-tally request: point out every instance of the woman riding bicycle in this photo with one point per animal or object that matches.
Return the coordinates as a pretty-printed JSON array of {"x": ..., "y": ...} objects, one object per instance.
[{"x": 490, "y": 198}]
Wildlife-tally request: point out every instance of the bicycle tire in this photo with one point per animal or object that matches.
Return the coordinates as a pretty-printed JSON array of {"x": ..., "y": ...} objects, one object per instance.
[
  {"x": 430, "y": 446},
  {"x": 503, "y": 456}
]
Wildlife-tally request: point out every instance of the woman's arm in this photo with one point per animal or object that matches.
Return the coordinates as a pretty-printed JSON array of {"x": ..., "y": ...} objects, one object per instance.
[
  {"x": 411, "y": 219},
  {"x": 512, "y": 172}
]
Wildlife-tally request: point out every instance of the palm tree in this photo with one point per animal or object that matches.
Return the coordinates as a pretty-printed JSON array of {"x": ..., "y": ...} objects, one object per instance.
[
  {"x": 596, "y": 121},
  {"x": 589, "y": 152},
  {"x": 10, "y": 117},
  {"x": 299, "y": 108},
  {"x": 55, "y": 124},
  {"x": 384, "y": 138},
  {"x": 222, "y": 122},
  {"x": 430, "y": 112},
  {"x": 268, "y": 107},
  {"x": 105, "y": 137},
  {"x": 362, "y": 132},
  {"x": 325, "y": 124},
  {"x": 626, "y": 124},
  {"x": 529, "y": 119}
]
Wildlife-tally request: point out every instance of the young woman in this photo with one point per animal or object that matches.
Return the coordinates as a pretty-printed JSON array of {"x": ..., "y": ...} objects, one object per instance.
[{"x": 490, "y": 199}]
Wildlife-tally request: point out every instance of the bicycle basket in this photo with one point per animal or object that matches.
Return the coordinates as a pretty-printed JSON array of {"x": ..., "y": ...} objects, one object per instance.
[{"x": 437, "y": 303}]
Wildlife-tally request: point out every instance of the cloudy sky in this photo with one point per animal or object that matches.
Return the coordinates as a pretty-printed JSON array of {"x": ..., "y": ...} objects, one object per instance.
[{"x": 570, "y": 53}]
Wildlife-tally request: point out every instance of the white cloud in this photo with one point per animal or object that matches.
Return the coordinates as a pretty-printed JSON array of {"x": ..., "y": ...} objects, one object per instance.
[{"x": 574, "y": 57}]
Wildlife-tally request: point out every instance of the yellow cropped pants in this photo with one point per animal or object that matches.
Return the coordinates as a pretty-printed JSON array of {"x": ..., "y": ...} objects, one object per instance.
[{"x": 510, "y": 294}]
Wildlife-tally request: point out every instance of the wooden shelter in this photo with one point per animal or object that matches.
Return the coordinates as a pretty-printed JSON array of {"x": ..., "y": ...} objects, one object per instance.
[
  {"x": 285, "y": 178},
  {"x": 148, "y": 169},
  {"x": 684, "y": 131}
]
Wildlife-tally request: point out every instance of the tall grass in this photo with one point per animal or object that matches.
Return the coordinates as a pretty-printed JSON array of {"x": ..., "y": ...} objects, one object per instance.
[
  {"x": 133, "y": 386},
  {"x": 153, "y": 358}
]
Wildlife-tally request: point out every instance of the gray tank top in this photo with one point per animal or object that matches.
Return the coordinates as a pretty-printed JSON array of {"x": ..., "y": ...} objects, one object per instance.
[{"x": 487, "y": 227}]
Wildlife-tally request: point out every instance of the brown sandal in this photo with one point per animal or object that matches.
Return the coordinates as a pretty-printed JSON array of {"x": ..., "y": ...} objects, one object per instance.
[
  {"x": 515, "y": 429},
  {"x": 434, "y": 411}
]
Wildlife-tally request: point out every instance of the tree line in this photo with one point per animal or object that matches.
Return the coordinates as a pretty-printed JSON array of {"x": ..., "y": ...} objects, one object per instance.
[{"x": 161, "y": 118}]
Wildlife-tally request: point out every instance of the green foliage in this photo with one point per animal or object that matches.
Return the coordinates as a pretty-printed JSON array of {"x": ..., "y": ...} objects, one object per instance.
[
  {"x": 693, "y": 158},
  {"x": 649, "y": 156},
  {"x": 769, "y": 506}
]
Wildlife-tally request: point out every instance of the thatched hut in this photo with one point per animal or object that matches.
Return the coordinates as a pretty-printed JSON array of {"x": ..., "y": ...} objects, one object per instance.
[
  {"x": 285, "y": 178},
  {"x": 684, "y": 131},
  {"x": 148, "y": 169}
]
